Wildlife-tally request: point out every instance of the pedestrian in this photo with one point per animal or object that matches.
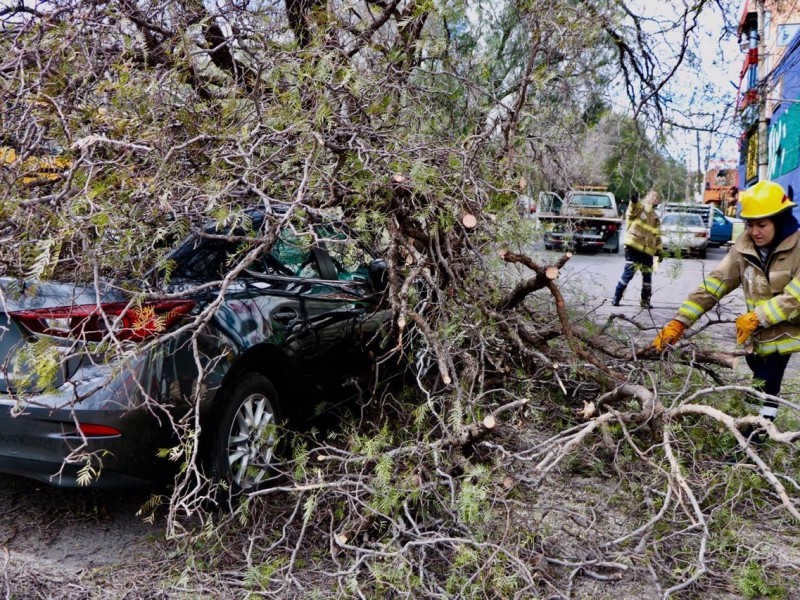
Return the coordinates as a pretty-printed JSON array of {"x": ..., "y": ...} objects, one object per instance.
[
  {"x": 765, "y": 261},
  {"x": 642, "y": 244}
]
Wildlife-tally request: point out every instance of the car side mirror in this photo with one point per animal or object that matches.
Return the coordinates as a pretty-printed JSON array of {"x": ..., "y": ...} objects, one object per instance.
[{"x": 378, "y": 275}]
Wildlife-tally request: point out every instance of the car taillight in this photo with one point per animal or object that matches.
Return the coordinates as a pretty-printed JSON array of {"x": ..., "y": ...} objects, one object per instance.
[
  {"x": 88, "y": 321},
  {"x": 701, "y": 234},
  {"x": 612, "y": 227},
  {"x": 94, "y": 430}
]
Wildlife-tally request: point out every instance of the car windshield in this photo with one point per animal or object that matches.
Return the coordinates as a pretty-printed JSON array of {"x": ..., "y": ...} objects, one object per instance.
[
  {"x": 593, "y": 200},
  {"x": 683, "y": 220},
  {"x": 293, "y": 254}
]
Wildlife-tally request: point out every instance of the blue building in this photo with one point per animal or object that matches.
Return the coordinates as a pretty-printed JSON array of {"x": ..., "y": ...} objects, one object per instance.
[
  {"x": 783, "y": 138},
  {"x": 770, "y": 77}
]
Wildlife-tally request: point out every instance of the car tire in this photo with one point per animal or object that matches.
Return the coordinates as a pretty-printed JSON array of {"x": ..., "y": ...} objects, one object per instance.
[
  {"x": 702, "y": 253},
  {"x": 242, "y": 441}
]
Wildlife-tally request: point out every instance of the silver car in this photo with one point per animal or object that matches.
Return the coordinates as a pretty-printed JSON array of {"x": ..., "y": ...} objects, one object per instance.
[{"x": 684, "y": 234}]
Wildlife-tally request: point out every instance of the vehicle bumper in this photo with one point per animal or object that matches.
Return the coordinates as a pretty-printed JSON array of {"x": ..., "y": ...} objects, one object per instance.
[
  {"x": 686, "y": 247},
  {"x": 67, "y": 476},
  {"x": 576, "y": 240},
  {"x": 39, "y": 437}
]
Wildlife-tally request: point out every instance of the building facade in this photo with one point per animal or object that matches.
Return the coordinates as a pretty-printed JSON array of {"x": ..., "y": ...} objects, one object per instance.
[
  {"x": 769, "y": 88},
  {"x": 721, "y": 186}
]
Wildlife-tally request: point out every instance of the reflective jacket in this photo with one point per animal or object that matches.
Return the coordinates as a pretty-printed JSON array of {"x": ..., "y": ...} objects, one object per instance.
[
  {"x": 772, "y": 292},
  {"x": 643, "y": 228}
]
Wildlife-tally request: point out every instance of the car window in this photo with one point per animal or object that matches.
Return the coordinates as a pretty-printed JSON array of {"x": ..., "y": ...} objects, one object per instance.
[
  {"x": 349, "y": 257},
  {"x": 682, "y": 219},
  {"x": 297, "y": 255},
  {"x": 292, "y": 254},
  {"x": 214, "y": 258},
  {"x": 204, "y": 259},
  {"x": 592, "y": 200}
]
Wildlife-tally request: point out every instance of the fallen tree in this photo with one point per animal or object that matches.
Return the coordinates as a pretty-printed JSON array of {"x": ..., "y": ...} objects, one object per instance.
[{"x": 530, "y": 451}]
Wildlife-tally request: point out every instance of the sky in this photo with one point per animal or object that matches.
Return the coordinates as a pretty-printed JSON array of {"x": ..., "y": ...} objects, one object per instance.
[
  {"x": 721, "y": 60},
  {"x": 704, "y": 89}
]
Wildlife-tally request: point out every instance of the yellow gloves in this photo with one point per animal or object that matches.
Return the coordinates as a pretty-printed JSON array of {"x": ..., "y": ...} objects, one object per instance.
[
  {"x": 745, "y": 326},
  {"x": 671, "y": 333}
]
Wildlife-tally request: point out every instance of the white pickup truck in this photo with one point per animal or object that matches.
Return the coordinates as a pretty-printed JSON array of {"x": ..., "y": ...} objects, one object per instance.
[{"x": 587, "y": 217}]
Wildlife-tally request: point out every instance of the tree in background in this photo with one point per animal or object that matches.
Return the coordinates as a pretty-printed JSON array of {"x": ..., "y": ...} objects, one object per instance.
[
  {"x": 634, "y": 165},
  {"x": 615, "y": 152}
]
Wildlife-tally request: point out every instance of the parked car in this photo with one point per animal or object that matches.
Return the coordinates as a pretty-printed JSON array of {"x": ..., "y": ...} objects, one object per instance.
[
  {"x": 525, "y": 206},
  {"x": 585, "y": 218},
  {"x": 721, "y": 228},
  {"x": 289, "y": 332},
  {"x": 684, "y": 233}
]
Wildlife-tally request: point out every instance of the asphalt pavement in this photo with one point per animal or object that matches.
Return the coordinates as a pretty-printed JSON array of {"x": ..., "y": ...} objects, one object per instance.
[
  {"x": 597, "y": 274},
  {"x": 588, "y": 281}
]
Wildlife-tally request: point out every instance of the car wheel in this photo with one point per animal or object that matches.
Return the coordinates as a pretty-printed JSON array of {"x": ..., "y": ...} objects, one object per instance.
[
  {"x": 702, "y": 253},
  {"x": 242, "y": 443}
]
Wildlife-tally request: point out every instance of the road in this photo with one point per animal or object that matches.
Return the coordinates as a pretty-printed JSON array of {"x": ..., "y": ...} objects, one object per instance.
[
  {"x": 597, "y": 274},
  {"x": 52, "y": 538},
  {"x": 589, "y": 280}
]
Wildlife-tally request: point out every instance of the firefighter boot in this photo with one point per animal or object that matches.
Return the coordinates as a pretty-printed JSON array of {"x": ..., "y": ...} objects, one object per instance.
[
  {"x": 647, "y": 290},
  {"x": 618, "y": 294},
  {"x": 754, "y": 435}
]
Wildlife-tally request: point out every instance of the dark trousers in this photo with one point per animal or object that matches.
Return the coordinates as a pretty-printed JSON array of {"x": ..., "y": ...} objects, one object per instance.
[
  {"x": 768, "y": 370},
  {"x": 636, "y": 260}
]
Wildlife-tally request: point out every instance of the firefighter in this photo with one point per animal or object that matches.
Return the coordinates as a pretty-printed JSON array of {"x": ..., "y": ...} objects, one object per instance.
[
  {"x": 765, "y": 261},
  {"x": 642, "y": 244}
]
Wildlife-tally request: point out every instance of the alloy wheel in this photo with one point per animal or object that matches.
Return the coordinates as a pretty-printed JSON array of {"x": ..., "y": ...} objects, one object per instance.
[{"x": 251, "y": 441}]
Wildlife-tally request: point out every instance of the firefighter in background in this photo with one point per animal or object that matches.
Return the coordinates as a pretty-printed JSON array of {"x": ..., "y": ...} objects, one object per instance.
[
  {"x": 765, "y": 261},
  {"x": 732, "y": 202},
  {"x": 642, "y": 245}
]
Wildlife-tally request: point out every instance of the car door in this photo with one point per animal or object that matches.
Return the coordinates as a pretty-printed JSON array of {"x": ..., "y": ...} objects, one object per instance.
[
  {"x": 338, "y": 301},
  {"x": 264, "y": 306},
  {"x": 721, "y": 228}
]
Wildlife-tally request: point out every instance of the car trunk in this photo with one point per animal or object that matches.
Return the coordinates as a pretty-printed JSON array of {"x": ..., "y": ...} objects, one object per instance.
[{"x": 17, "y": 295}]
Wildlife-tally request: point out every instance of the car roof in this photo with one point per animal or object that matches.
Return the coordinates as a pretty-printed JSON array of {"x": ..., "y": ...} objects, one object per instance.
[{"x": 683, "y": 217}]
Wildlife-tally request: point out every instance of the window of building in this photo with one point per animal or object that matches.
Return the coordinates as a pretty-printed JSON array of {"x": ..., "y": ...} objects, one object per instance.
[{"x": 786, "y": 33}]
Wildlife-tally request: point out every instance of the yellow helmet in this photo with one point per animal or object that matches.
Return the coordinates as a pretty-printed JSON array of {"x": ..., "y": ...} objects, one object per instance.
[{"x": 764, "y": 199}]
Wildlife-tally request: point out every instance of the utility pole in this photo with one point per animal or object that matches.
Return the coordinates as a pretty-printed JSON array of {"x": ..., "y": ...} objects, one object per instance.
[
  {"x": 763, "y": 173},
  {"x": 700, "y": 173}
]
